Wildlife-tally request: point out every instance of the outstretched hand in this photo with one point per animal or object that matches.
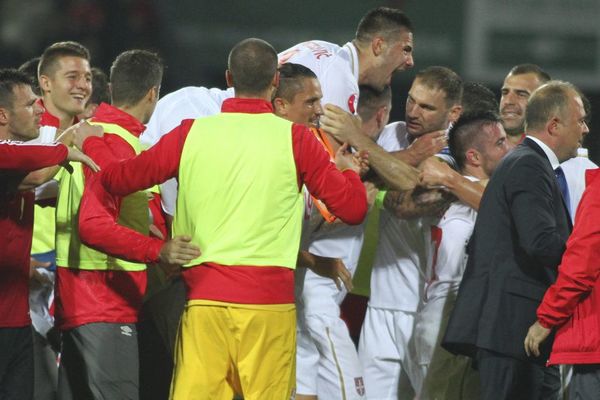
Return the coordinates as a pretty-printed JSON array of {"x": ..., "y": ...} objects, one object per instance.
[
  {"x": 357, "y": 162},
  {"x": 429, "y": 144},
  {"x": 81, "y": 131},
  {"x": 78, "y": 156},
  {"x": 434, "y": 172},
  {"x": 340, "y": 124},
  {"x": 179, "y": 251},
  {"x": 332, "y": 268}
]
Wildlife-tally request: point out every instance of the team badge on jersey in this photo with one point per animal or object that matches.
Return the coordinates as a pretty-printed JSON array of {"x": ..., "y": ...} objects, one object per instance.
[
  {"x": 360, "y": 386},
  {"x": 352, "y": 103}
]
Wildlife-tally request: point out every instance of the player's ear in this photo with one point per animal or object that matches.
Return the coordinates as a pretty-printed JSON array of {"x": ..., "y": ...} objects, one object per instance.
[
  {"x": 378, "y": 45},
  {"x": 228, "y": 78}
]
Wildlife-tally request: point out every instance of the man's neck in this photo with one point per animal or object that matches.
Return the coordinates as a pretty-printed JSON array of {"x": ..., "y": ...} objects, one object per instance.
[
  {"x": 476, "y": 172},
  {"x": 363, "y": 62},
  {"x": 515, "y": 138},
  {"x": 65, "y": 120},
  {"x": 138, "y": 112},
  {"x": 266, "y": 95}
]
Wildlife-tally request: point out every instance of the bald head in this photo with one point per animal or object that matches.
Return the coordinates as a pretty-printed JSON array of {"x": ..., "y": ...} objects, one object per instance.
[
  {"x": 548, "y": 101},
  {"x": 252, "y": 65},
  {"x": 556, "y": 116}
]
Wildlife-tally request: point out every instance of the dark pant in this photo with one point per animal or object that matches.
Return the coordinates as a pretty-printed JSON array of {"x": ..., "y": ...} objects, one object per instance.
[
  {"x": 16, "y": 363},
  {"x": 585, "y": 384},
  {"x": 504, "y": 377},
  {"x": 99, "y": 361},
  {"x": 45, "y": 368},
  {"x": 164, "y": 308},
  {"x": 156, "y": 363}
]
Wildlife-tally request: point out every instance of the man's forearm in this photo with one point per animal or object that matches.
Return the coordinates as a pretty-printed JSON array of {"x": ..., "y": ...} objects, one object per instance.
[
  {"x": 38, "y": 178},
  {"x": 408, "y": 157},
  {"x": 397, "y": 174},
  {"x": 467, "y": 191},
  {"x": 404, "y": 206}
]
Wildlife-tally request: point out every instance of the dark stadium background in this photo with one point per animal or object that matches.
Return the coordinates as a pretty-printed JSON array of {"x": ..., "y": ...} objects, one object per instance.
[{"x": 480, "y": 39}]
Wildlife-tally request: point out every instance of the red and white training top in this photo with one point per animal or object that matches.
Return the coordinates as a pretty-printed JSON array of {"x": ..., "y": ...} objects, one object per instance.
[{"x": 26, "y": 157}]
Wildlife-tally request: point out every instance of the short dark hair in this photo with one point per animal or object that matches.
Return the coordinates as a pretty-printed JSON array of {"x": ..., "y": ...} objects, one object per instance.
[
  {"x": 133, "y": 74},
  {"x": 444, "y": 79},
  {"x": 478, "y": 98},
  {"x": 547, "y": 100},
  {"x": 30, "y": 67},
  {"x": 382, "y": 21},
  {"x": 371, "y": 99},
  {"x": 58, "y": 50},
  {"x": 252, "y": 64},
  {"x": 291, "y": 80},
  {"x": 100, "y": 87},
  {"x": 9, "y": 79},
  {"x": 521, "y": 69},
  {"x": 466, "y": 133}
]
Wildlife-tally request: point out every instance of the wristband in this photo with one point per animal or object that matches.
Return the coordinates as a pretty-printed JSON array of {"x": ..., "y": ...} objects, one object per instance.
[{"x": 379, "y": 199}]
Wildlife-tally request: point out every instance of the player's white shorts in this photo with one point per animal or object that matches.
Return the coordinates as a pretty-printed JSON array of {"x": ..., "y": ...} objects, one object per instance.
[
  {"x": 327, "y": 363},
  {"x": 439, "y": 374},
  {"x": 382, "y": 351}
]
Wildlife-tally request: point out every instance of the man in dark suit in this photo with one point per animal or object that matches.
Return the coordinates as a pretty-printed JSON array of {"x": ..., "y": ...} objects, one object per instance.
[{"x": 517, "y": 244}]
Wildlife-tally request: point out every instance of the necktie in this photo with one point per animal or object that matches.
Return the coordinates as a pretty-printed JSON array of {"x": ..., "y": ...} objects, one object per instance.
[{"x": 564, "y": 188}]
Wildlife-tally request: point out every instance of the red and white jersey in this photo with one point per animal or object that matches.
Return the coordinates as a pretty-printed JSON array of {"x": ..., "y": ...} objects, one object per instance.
[
  {"x": 447, "y": 258},
  {"x": 399, "y": 268},
  {"x": 187, "y": 103},
  {"x": 336, "y": 68}
]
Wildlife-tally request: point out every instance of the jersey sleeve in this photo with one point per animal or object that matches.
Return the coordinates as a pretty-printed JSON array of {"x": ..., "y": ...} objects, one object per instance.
[
  {"x": 27, "y": 157},
  {"x": 342, "y": 192},
  {"x": 339, "y": 88},
  {"x": 150, "y": 168}
]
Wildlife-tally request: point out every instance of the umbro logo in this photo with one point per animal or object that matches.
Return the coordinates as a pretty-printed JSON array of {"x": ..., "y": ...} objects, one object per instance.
[{"x": 126, "y": 330}]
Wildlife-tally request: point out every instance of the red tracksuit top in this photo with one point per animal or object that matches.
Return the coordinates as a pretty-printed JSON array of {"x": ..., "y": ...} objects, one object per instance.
[
  {"x": 84, "y": 296},
  {"x": 572, "y": 303}
]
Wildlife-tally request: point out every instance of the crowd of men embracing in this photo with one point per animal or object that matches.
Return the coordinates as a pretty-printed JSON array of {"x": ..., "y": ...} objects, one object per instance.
[{"x": 199, "y": 246}]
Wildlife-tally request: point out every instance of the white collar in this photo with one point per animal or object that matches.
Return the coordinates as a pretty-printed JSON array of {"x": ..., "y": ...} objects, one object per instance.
[{"x": 548, "y": 151}]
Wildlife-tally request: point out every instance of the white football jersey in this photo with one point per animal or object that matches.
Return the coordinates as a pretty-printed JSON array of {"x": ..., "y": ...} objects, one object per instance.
[
  {"x": 336, "y": 68},
  {"x": 574, "y": 170},
  {"x": 447, "y": 257},
  {"x": 399, "y": 268},
  {"x": 187, "y": 103}
]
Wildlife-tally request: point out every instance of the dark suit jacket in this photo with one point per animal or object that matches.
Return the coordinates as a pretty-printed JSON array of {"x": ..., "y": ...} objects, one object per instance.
[{"x": 517, "y": 244}]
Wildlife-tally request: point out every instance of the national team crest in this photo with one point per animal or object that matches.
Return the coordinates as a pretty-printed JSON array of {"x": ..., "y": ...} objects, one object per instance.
[{"x": 360, "y": 386}]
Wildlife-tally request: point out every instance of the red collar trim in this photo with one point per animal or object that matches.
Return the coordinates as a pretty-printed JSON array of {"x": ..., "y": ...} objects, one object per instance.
[
  {"x": 110, "y": 114},
  {"x": 51, "y": 120},
  {"x": 47, "y": 118}
]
